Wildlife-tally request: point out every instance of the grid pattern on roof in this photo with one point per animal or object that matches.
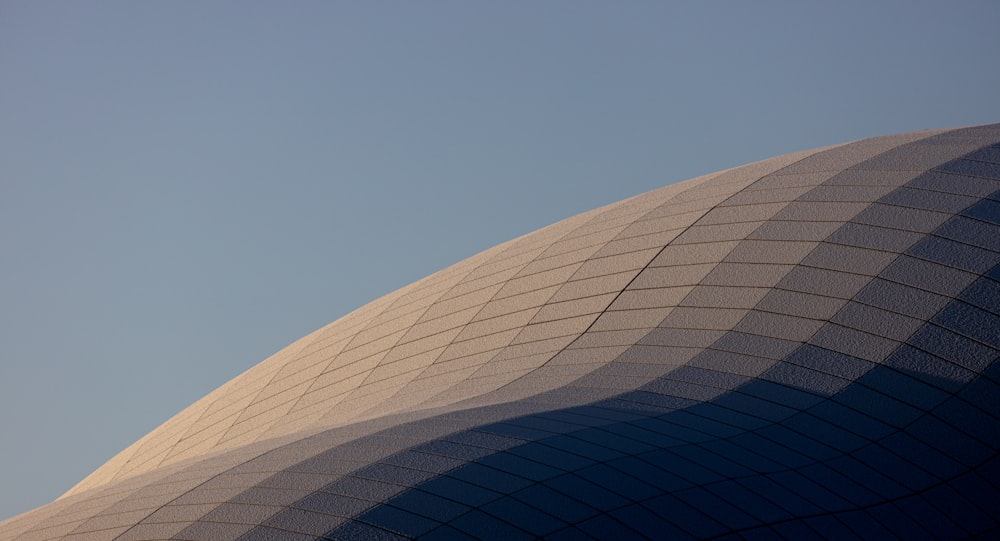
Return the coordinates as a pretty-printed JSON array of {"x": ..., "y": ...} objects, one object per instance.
[{"x": 805, "y": 346}]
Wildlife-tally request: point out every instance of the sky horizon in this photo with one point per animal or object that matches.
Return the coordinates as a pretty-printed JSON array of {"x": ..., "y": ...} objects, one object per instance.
[{"x": 187, "y": 188}]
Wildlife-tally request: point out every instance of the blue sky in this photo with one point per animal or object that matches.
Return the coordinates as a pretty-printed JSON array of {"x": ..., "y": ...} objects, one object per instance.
[{"x": 186, "y": 187}]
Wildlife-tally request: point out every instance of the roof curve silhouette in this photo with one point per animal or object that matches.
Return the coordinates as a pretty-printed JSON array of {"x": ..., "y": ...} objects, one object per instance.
[{"x": 801, "y": 347}]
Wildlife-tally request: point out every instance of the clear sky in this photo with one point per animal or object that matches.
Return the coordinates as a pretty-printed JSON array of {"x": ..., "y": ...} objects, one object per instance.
[{"x": 187, "y": 187}]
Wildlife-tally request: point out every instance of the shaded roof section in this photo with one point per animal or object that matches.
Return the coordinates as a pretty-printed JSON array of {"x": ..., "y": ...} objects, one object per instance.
[{"x": 805, "y": 345}]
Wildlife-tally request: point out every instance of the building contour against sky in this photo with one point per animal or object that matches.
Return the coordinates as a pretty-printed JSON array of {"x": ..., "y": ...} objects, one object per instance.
[{"x": 801, "y": 347}]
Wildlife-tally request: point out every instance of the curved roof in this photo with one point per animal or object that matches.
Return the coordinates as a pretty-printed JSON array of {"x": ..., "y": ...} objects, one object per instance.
[{"x": 800, "y": 346}]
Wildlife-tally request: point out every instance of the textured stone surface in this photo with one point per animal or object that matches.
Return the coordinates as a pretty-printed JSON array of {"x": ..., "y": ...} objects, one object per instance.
[{"x": 802, "y": 346}]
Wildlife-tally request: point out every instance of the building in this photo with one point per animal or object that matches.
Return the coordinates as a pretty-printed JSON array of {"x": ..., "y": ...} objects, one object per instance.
[{"x": 801, "y": 347}]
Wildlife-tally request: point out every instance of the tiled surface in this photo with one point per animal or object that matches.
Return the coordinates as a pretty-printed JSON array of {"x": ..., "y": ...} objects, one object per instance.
[{"x": 801, "y": 347}]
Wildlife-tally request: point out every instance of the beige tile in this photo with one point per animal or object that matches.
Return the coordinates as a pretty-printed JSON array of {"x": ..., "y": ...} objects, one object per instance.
[
  {"x": 597, "y": 339},
  {"x": 684, "y": 317},
  {"x": 637, "y": 299},
  {"x": 514, "y": 320},
  {"x": 541, "y": 280},
  {"x": 575, "y": 289},
  {"x": 767, "y": 251},
  {"x": 676, "y": 255},
  {"x": 551, "y": 329},
  {"x": 684, "y": 275},
  {"x": 603, "y": 266},
  {"x": 740, "y": 214},
  {"x": 778, "y": 326},
  {"x": 725, "y": 297},
  {"x": 564, "y": 309},
  {"x": 631, "y": 319},
  {"x": 635, "y": 244},
  {"x": 746, "y": 274},
  {"x": 699, "y": 234}
]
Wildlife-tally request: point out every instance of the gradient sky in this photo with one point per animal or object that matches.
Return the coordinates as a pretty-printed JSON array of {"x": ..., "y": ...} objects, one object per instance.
[{"x": 187, "y": 187}]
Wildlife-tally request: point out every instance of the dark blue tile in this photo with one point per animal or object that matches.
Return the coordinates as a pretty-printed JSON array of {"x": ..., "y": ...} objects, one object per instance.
[
  {"x": 971, "y": 168},
  {"x": 714, "y": 419},
  {"x": 781, "y": 394},
  {"x": 722, "y": 511},
  {"x": 862, "y": 524},
  {"x": 509, "y": 462},
  {"x": 758, "y": 410},
  {"x": 878, "y": 406},
  {"x": 949, "y": 441},
  {"x": 390, "y": 473},
  {"x": 647, "y": 523},
  {"x": 929, "y": 517},
  {"x": 987, "y": 210},
  {"x": 606, "y": 527},
  {"x": 443, "y": 533},
  {"x": 864, "y": 426},
  {"x": 971, "y": 231},
  {"x": 600, "y": 444},
  {"x": 668, "y": 460},
  {"x": 691, "y": 419},
  {"x": 973, "y": 322},
  {"x": 675, "y": 510},
  {"x": 717, "y": 463},
  {"x": 810, "y": 490},
  {"x": 556, "y": 503},
  {"x": 672, "y": 430},
  {"x": 928, "y": 275},
  {"x": 981, "y": 493},
  {"x": 751, "y": 503},
  {"x": 926, "y": 367},
  {"x": 595, "y": 444},
  {"x": 757, "y": 462},
  {"x": 955, "y": 183},
  {"x": 831, "y": 528},
  {"x": 658, "y": 477},
  {"x": 836, "y": 431},
  {"x": 927, "y": 199},
  {"x": 929, "y": 459},
  {"x": 953, "y": 347},
  {"x": 908, "y": 389},
  {"x": 962, "y": 511},
  {"x": 983, "y": 393},
  {"x": 901, "y": 298},
  {"x": 989, "y": 154},
  {"x": 802, "y": 444},
  {"x": 459, "y": 491},
  {"x": 804, "y": 379},
  {"x": 526, "y": 517},
  {"x": 898, "y": 522},
  {"x": 984, "y": 293},
  {"x": 830, "y": 362},
  {"x": 786, "y": 504},
  {"x": 646, "y": 437},
  {"x": 429, "y": 505},
  {"x": 487, "y": 527},
  {"x": 868, "y": 477},
  {"x": 795, "y": 530},
  {"x": 839, "y": 484},
  {"x": 359, "y": 531},
  {"x": 399, "y": 521},
  {"x": 587, "y": 492},
  {"x": 785, "y": 456},
  {"x": 892, "y": 465},
  {"x": 491, "y": 478},
  {"x": 972, "y": 420},
  {"x": 954, "y": 254},
  {"x": 625, "y": 485}
]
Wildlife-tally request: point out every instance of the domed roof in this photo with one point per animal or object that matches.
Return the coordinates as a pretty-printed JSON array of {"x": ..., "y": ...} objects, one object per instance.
[{"x": 805, "y": 345}]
